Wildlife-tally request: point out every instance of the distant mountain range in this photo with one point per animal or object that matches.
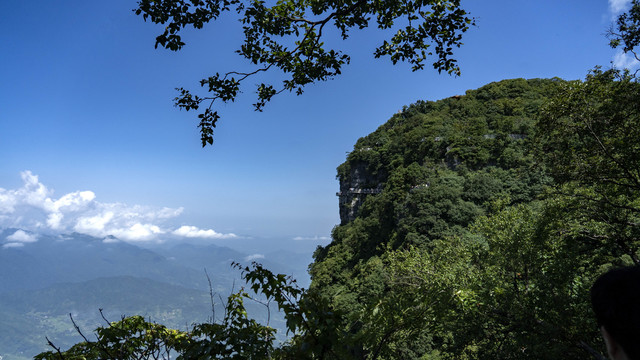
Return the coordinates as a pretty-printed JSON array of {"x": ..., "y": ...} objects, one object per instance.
[{"x": 43, "y": 281}]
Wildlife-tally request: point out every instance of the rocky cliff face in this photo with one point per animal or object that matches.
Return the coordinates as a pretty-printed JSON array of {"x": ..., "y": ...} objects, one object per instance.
[
  {"x": 487, "y": 127},
  {"x": 354, "y": 188}
]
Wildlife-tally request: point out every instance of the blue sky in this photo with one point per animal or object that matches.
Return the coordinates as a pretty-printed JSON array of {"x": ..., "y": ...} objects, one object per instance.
[{"x": 86, "y": 116}]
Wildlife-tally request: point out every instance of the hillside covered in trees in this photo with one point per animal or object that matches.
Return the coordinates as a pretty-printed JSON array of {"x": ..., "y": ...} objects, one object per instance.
[
  {"x": 413, "y": 245},
  {"x": 466, "y": 232},
  {"x": 471, "y": 228}
]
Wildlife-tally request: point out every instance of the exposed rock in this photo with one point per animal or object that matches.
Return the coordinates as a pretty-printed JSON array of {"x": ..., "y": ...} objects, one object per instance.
[{"x": 354, "y": 189}]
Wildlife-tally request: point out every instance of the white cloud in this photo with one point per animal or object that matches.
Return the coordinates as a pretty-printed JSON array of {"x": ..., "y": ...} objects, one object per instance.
[
  {"x": 34, "y": 192},
  {"x": 312, "y": 238},
  {"x": 54, "y": 219},
  {"x": 72, "y": 202},
  {"x": 22, "y": 237},
  {"x": 167, "y": 213},
  {"x": 7, "y": 201},
  {"x": 138, "y": 232},
  {"x": 93, "y": 225},
  {"x": 253, "y": 257},
  {"x": 618, "y": 6},
  {"x": 194, "y": 232},
  {"x": 12, "y": 245},
  {"x": 622, "y": 60},
  {"x": 32, "y": 207}
]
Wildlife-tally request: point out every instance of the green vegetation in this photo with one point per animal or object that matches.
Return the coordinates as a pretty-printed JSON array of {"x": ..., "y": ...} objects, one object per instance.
[
  {"x": 493, "y": 214},
  {"x": 289, "y": 37},
  {"x": 27, "y": 316},
  {"x": 447, "y": 167},
  {"x": 472, "y": 228}
]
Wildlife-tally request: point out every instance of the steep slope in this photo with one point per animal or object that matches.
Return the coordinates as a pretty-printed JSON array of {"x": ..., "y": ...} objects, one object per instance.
[{"x": 425, "y": 175}]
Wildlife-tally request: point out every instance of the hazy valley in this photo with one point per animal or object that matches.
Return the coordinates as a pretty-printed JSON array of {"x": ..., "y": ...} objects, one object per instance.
[{"x": 46, "y": 280}]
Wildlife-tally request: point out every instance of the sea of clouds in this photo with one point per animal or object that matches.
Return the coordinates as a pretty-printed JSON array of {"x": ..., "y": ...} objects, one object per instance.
[{"x": 33, "y": 209}]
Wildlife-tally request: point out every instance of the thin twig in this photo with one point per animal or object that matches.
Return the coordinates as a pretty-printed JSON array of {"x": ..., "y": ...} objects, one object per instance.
[
  {"x": 213, "y": 305},
  {"x": 77, "y": 328},
  {"x": 246, "y": 75},
  {"x": 57, "y": 349},
  {"x": 104, "y": 318},
  {"x": 265, "y": 304}
]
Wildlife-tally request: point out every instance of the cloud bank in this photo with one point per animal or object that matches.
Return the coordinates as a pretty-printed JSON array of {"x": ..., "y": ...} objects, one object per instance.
[
  {"x": 32, "y": 207},
  {"x": 19, "y": 238},
  {"x": 253, "y": 257},
  {"x": 312, "y": 238},
  {"x": 194, "y": 232}
]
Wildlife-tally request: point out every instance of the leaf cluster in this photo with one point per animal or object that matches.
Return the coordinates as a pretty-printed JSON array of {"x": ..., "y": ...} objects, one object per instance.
[
  {"x": 288, "y": 36},
  {"x": 627, "y": 30}
]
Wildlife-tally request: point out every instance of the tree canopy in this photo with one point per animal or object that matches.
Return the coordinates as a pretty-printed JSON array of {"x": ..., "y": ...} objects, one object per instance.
[
  {"x": 289, "y": 37},
  {"x": 481, "y": 242},
  {"x": 473, "y": 228}
]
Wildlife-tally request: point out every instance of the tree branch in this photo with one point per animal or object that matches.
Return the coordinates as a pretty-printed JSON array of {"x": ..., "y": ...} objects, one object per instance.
[{"x": 57, "y": 349}]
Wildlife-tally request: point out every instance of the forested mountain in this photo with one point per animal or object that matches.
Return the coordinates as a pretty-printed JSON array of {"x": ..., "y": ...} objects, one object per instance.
[
  {"x": 436, "y": 166},
  {"x": 471, "y": 228},
  {"x": 414, "y": 187}
]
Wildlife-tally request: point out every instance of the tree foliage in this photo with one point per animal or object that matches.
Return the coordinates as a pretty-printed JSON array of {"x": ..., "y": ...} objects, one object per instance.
[
  {"x": 590, "y": 140},
  {"x": 289, "y": 36},
  {"x": 234, "y": 336},
  {"x": 485, "y": 220},
  {"x": 626, "y": 33},
  {"x": 443, "y": 165},
  {"x": 130, "y": 338},
  {"x": 531, "y": 224},
  {"x": 458, "y": 255}
]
